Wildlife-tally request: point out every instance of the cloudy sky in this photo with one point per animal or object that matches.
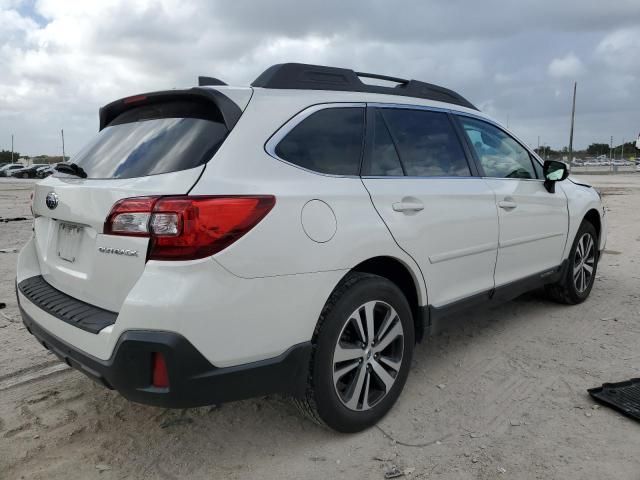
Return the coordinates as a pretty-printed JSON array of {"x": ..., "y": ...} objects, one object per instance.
[{"x": 60, "y": 60}]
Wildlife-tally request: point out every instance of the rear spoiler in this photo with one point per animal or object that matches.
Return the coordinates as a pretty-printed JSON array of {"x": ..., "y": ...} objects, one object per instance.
[{"x": 229, "y": 110}]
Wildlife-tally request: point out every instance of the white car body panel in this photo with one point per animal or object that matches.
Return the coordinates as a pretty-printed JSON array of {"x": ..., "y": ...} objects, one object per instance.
[
  {"x": 96, "y": 278},
  {"x": 533, "y": 228},
  {"x": 454, "y": 239},
  {"x": 581, "y": 199}
]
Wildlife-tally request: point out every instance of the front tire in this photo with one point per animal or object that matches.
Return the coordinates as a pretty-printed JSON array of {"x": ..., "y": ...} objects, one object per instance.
[
  {"x": 362, "y": 350},
  {"x": 578, "y": 280}
]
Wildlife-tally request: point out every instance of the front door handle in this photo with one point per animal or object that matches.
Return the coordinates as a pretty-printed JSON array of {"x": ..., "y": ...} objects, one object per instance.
[
  {"x": 507, "y": 204},
  {"x": 407, "y": 206}
]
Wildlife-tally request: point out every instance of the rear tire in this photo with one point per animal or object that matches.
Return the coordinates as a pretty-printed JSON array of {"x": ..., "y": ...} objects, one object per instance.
[
  {"x": 577, "y": 281},
  {"x": 362, "y": 350}
]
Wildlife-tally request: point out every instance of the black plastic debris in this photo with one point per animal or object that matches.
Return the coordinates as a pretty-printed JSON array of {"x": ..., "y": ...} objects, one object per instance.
[{"x": 622, "y": 396}]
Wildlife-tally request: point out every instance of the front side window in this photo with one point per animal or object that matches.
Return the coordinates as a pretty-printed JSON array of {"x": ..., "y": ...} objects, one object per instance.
[
  {"x": 499, "y": 154},
  {"x": 425, "y": 142},
  {"x": 327, "y": 141}
]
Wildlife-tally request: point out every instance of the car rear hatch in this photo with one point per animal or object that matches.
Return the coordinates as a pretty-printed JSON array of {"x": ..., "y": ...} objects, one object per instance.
[{"x": 149, "y": 145}]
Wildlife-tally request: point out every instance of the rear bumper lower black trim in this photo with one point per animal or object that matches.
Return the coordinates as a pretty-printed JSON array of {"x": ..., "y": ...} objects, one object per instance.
[
  {"x": 193, "y": 381},
  {"x": 64, "y": 307}
]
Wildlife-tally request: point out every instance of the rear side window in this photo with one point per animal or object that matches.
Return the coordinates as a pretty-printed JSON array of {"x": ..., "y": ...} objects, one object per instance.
[
  {"x": 154, "y": 139},
  {"x": 328, "y": 141},
  {"x": 385, "y": 159},
  {"x": 426, "y": 144}
]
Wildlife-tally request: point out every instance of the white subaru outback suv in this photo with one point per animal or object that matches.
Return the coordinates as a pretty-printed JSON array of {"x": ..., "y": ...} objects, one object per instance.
[{"x": 299, "y": 237}]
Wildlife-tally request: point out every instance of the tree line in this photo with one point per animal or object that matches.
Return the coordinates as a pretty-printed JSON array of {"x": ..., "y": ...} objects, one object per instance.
[
  {"x": 5, "y": 156},
  {"x": 593, "y": 150}
]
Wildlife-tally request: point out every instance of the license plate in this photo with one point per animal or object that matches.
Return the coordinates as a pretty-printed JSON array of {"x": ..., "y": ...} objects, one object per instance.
[{"x": 68, "y": 241}]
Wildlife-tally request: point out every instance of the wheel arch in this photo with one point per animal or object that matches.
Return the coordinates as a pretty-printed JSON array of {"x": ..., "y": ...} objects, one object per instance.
[
  {"x": 592, "y": 216},
  {"x": 402, "y": 275}
]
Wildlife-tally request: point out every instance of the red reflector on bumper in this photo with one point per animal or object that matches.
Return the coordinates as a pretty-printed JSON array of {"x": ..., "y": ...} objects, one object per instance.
[{"x": 160, "y": 377}]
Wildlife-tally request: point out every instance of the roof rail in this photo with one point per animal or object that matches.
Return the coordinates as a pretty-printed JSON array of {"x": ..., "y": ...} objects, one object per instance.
[{"x": 317, "y": 77}]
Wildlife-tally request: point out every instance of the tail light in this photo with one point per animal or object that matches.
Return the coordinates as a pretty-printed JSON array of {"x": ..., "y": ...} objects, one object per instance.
[{"x": 187, "y": 227}]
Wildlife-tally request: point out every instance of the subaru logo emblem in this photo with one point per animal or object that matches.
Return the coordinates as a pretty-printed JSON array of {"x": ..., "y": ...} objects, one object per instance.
[{"x": 52, "y": 200}]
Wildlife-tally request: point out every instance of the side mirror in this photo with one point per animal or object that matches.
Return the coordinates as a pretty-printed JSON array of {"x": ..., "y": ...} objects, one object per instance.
[{"x": 554, "y": 171}]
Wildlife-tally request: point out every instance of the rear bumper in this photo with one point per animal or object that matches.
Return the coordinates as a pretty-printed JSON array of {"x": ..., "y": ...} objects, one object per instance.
[
  {"x": 193, "y": 381},
  {"x": 231, "y": 321}
]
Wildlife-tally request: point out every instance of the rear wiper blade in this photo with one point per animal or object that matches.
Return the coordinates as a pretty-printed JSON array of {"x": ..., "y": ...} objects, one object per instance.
[{"x": 71, "y": 168}]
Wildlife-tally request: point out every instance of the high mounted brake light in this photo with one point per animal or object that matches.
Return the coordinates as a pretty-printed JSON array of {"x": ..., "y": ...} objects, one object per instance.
[
  {"x": 134, "y": 99},
  {"x": 187, "y": 227}
]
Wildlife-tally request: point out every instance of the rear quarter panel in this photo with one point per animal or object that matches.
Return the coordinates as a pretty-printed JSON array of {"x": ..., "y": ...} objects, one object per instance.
[{"x": 278, "y": 245}]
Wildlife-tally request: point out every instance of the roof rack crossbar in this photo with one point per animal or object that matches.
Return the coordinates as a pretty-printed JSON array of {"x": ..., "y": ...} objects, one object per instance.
[
  {"x": 300, "y": 76},
  {"x": 387, "y": 78}
]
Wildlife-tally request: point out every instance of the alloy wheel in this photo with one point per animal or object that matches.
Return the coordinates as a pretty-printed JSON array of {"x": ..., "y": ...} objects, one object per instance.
[
  {"x": 368, "y": 355},
  {"x": 584, "y": 263}
]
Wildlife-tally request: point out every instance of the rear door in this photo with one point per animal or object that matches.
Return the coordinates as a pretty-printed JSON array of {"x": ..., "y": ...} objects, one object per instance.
[
  {"x": 422, "y": 185},
  {"x": 533, "y": 222},
  {"x": 151, "y": 146}
]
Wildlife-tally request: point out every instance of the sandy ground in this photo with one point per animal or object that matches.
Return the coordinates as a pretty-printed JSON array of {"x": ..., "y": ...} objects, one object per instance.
[{"x": 503, "y": 395}]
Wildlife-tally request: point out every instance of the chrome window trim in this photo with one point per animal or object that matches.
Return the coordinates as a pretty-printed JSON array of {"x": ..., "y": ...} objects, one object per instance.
[
  {"x": 284, "y": 129},
  {"x": 402, "y": 177},
  {"x": 403, "y": 106},
  {"x": 274, "y": 140}
]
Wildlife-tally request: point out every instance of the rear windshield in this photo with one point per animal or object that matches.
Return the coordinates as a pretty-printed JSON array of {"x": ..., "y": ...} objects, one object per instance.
[{"x": 149, "y": 140}]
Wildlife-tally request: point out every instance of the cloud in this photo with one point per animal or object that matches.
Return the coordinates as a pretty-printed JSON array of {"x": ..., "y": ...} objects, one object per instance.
[
  {"x": 61, "y": 60},
  {"x": 568, "y": 66},
  {"x": 620, "y": 50}
]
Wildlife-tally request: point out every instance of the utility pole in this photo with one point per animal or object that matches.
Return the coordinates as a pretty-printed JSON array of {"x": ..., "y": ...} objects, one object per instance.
[
  {"x": 573, "y": 115},
  {"x": 64, "y": 159},
  {"x": 622, "y": 154},
  {"x": 538, "y": 144},
  {"x": 611, "y": 154},
  {"x": 12, "y": 148},
  {"x": 611, "y": 148}
]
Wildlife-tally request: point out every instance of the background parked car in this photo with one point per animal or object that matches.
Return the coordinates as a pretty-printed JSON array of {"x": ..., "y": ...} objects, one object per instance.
[
  {"x": 10, "y": 167},
  {"x": 28, "y": 172},
  {"x": 44, "y": 172}
]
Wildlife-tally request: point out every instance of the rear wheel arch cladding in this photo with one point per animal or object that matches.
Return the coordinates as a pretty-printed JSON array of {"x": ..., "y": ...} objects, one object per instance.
[{"x": 318, "y": 221}]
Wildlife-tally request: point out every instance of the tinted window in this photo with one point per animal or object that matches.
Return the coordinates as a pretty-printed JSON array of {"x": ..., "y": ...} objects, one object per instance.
[
  {"x": 426, "y": 142},
  {"x": 147, "y": 146},
  {"x": 328, "y": 141},
  {"x": 384, "y": 157},
  {"x": 499, "y": 154},
  {"x": 537, "y": 167}
]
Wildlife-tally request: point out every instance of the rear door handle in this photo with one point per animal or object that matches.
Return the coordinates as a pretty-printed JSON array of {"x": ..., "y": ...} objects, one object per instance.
[
  {"x": 507, "y": 204},
  {"x": 407, "y": 206}
]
